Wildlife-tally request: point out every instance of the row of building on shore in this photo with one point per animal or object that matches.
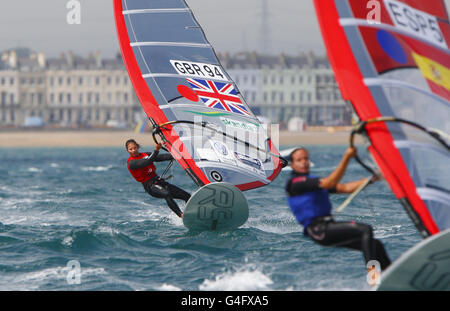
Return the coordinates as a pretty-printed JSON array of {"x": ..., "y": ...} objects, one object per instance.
[{"x": 89, "y": 92}]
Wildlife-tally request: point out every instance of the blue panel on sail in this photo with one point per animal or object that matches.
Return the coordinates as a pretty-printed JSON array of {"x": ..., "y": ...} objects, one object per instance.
[
  {"x": 153, "y": 4},
  {"x": 178, "y": 27}
]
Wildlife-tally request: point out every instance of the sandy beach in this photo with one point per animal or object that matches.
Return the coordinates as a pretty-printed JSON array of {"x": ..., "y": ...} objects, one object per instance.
[{"x": 74, "y": 138}]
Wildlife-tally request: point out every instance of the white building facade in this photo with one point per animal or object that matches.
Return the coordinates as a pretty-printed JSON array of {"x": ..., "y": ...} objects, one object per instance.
[{"x": 69, "y": 91}]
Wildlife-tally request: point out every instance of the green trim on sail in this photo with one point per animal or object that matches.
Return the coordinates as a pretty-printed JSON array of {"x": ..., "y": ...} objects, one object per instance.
[
  {"x": 243, "y": 125},
  {"x": 209, "y": 113},
  {"x": 217, "y": 114}
]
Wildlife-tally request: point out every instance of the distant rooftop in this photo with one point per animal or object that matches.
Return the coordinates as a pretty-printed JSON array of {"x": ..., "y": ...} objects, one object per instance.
[
  {"x": 25, "y": 59},
  {"x": 253, "y": 60}
]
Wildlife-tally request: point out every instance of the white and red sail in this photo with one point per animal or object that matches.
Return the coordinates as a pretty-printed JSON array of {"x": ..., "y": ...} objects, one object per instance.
[{"x": 178, "y": 79}]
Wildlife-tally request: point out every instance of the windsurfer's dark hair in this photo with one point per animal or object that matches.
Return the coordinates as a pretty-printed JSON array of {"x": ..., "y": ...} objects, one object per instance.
[
  {"x": 295, "y": 150},
  {"x": 129, "y": 141}
]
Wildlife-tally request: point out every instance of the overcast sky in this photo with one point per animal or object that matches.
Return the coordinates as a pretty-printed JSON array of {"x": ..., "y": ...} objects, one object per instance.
[{"x": 231, "y": 25}]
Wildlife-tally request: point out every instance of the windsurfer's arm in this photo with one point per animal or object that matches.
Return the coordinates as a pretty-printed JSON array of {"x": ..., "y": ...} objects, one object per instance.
[
  {"x": 350, "y": 186},
  {"x": 333, "y": 179},
  {"x": 163, "y": 157},
  {"x": 140, "y": 163}
]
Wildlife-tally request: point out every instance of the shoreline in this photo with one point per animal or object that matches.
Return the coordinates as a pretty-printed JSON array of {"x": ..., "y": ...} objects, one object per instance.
[{"x": 115, "y": 138}]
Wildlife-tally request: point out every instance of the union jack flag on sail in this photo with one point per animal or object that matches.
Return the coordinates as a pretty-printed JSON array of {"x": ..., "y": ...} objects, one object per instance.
[{"x": 219, "y": 95}]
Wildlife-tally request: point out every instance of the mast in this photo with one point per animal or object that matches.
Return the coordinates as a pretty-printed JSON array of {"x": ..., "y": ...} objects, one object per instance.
[{"x": 264, "y": 42}]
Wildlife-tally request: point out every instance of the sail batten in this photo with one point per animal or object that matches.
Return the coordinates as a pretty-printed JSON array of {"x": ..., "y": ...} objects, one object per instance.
[
  {"x": 146, "y": 11},
  {"x": 161, "y": 43},
  {"x": 174, "y": 75}
]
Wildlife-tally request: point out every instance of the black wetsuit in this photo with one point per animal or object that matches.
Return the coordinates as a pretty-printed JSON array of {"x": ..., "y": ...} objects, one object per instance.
[
  {"x": 156, "y": 186},
  {"x": 311, "y": 206}
]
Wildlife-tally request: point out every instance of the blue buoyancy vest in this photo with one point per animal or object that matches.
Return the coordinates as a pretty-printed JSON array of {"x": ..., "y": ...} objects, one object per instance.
[{"x": 310, "y": 205}]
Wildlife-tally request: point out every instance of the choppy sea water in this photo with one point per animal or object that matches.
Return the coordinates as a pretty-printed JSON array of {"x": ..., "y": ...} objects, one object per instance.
[{"x": 74, "y": 219}]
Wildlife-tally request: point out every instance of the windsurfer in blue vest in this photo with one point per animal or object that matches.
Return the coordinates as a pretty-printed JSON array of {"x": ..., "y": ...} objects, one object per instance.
[
  {"x": 308, "y": 198},
  {"x": 142, "y": 168}
]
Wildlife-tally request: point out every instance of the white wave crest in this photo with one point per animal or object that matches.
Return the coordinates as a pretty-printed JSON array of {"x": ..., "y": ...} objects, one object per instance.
[
  {"x": 67, "y": 241},
  {"x": 107, "y": 230},
  {"x": 243, "y": 280},
  {"x": 168, "y": 287},
  {"x": 282, "y": 223},
  {"x": 156, "y": 213},
  {"x": 96, "y": 168},
  {"x": 34, "y": 170}
]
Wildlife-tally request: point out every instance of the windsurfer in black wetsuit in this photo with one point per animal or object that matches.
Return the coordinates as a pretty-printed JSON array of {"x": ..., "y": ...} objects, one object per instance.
[
  {"x": 142, "y": 168},
  {"x": 308, "y": 198}
]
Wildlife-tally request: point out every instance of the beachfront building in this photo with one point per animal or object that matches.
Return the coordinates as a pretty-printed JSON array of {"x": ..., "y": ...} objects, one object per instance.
[
  {"x": 69, "y": 91},
  {"x": 284, "y": 87},
  {"x": 86, "y": 92},
  {"x": 9, "y": 97}
]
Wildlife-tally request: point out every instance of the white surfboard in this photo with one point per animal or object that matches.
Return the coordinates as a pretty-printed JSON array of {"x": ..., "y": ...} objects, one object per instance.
[
  {"x": 424, "y": 267},
  {"x": 218, "y": 206}
]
